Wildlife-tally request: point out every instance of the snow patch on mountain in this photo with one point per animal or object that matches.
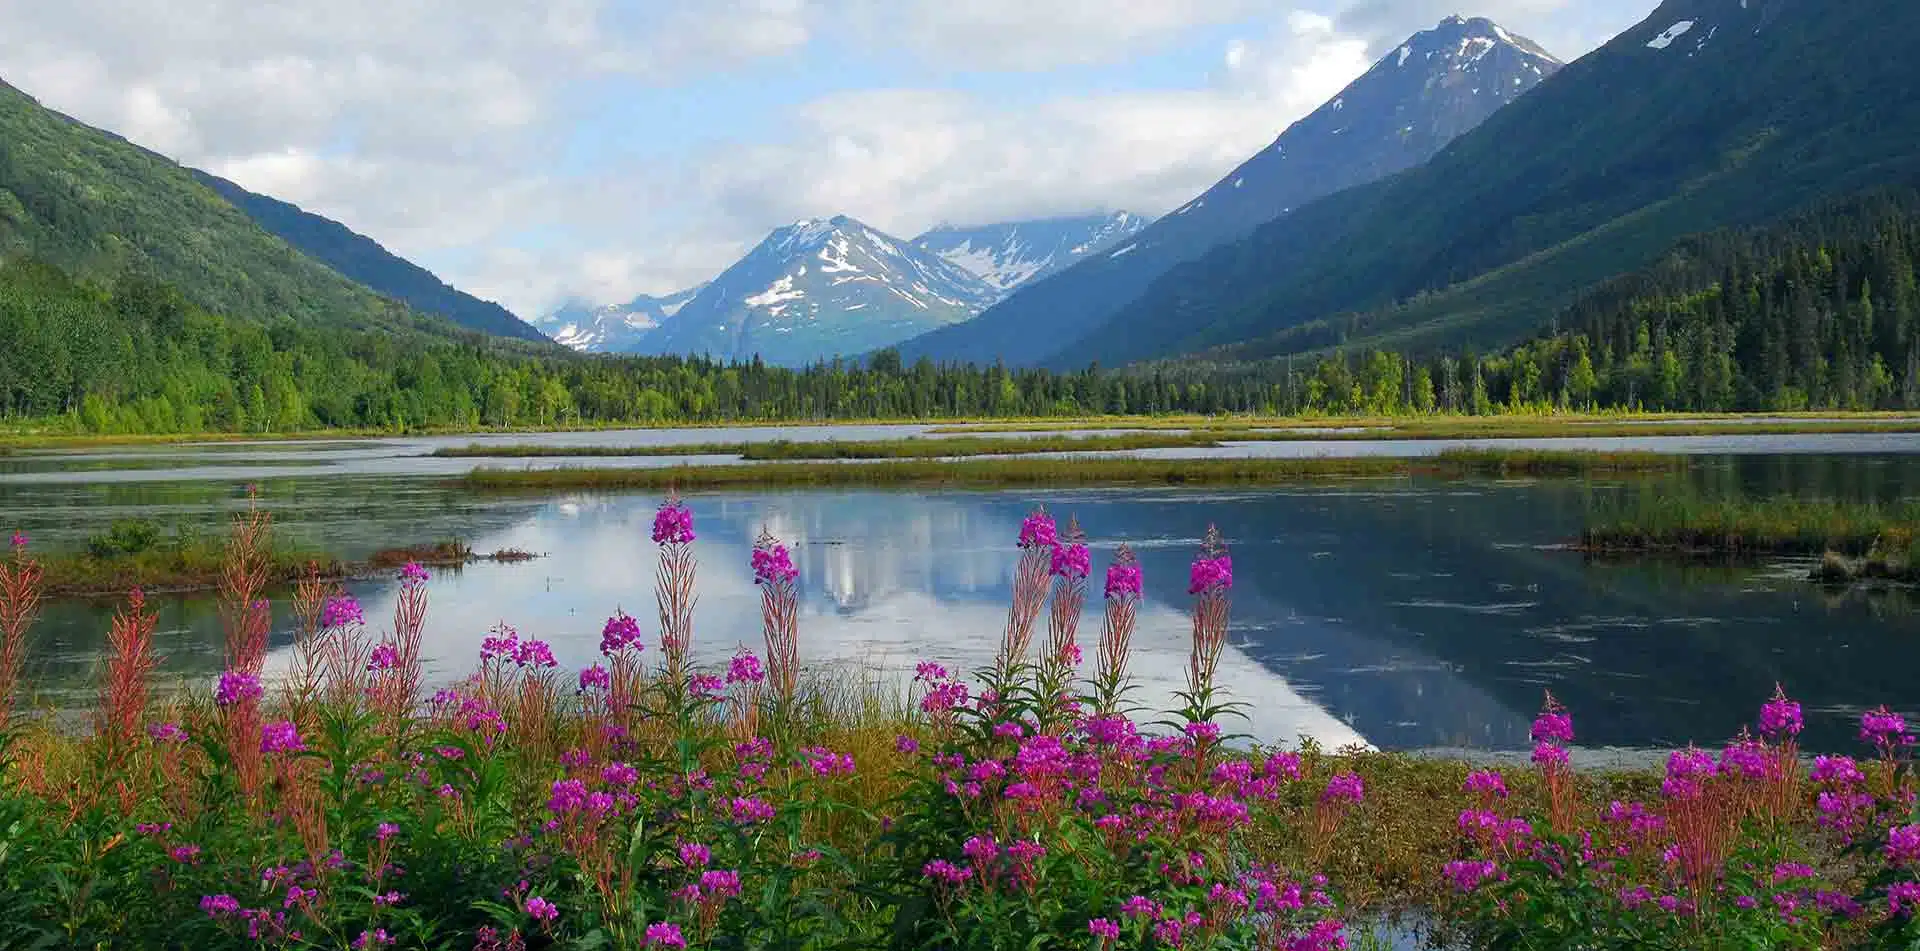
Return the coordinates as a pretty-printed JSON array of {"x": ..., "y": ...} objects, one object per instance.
[
  {"x": 605, "y": 328},
  {"x": 1674, "y": 32},
  {"x": 1014, "y": 254}
]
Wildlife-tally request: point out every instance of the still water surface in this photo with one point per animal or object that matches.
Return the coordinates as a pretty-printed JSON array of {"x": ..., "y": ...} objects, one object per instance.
[{"x": 1398, "y": 613}]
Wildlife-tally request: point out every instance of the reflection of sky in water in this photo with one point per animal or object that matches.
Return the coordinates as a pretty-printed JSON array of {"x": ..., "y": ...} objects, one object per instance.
[{"x": 1407, "y": 613}]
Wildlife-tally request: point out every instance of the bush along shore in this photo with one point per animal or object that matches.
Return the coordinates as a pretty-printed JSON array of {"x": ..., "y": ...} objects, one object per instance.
[
  {"x": 136, "y": 553},
  {"x": 646, "y": 801},
  {"x": 1099, "y": 470},
  {"x": 1854, "y": 540}
]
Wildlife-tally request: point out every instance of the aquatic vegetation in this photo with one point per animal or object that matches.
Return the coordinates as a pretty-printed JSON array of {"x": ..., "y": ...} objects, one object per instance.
[
  {"x": 1855, "y": 540},
  {"x": 649, "y": 801}
]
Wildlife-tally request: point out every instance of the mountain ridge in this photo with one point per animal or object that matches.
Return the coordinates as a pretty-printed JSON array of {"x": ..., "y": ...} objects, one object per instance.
[
  {"x": 367, "y": 262},
  {"x": 1707, "y": 114},
  {"x": 1405, "y": 108}
]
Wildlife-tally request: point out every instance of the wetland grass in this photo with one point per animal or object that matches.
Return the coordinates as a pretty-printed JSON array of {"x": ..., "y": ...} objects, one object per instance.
[{"x": 1095, "y": 470}]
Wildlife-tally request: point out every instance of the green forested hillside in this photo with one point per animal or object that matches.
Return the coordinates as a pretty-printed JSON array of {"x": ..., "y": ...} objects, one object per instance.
[
  {"x": 98, "y": 206},
  {"x": 1821, "y": 311},
  {"x": 1756, "y": 110},
  {"x": 365, "y": 261}
]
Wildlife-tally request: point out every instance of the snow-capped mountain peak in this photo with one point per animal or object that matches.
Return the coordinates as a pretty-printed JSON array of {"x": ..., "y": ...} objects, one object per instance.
[
  {"x": 611, "y": 328},
  {"x": 1015, "y": 253},
  {"x": 821, "y": 288}
]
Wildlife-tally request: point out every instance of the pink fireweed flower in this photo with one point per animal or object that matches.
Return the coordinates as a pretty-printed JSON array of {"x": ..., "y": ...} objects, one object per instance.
[
  {"x": 1123, "y": 580},
  {"x": 1202, "y": 730},
  {"x": 750, "y": 810},
  {"x": 927, "y": 672},
  {"x": 184, "y": 854},
  {"x": 664, "y": 935},
  {"x": 1687, "y": 771},
  {"x": 1345, "y": 787},
  {"x": 1549, "y": 754},
  {"x": 720, "y": 883},
  {"x": 19, "y": 541},
  {"x": 621, "y": 633},
  {"x": 340, "y": 612},
  {"x": 694, "y": 855},
  {"x": 1070, "y": 561},
  {"x": 1469, "y": 875},
  {"x": 906, "y": 744},
  {"x": 1791, "y": 871},
  {"x": 1486, "y": 782},
  {"x": 1037, "y": 530},
  {"x": 413, "y": 576},
  {"x": 745, "y": 669},
  {"x": 167, "y": 733},
  {"x": 1746, "y": 758},
  {"x": 535, "y": 654},
  {"x": 236, "y": 687},
  {"x": 217, "y": 905},
  {"x": 1103, "y": 929},
  {"x": 384, "y": 656},
  {"x": 1903, "y": 899},
  {"x": 542, "y": 910},
  {"x": 1903, "y": 846},
  {"x": 1780, "y": 717},
  {"x": 376, "y": 938},
  {"x": 595, "y": 677},
  {"x": 705, "y": 685},
  {"x": 941, "y": 870},
  {"x": 1210, "y": 573},
  {"x": 1553, "y": 726},
  {"x": 1837, "y": 770},
  {"x": 281, "y": 737},
  {"x": 772, "y": 564},
  {"x": 1885, "y": 729},
  {"x": 1326, "y": 934},
  {"x": 619, "y": 774},
  {"x": 500, "y": 644},
  {"x": 673, "y": 524},
  {"x": 385, "y": 831},
  {"x": 826, "y": 762}
]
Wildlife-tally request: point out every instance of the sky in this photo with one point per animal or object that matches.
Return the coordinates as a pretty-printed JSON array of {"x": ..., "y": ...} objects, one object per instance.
[{"x": 527, "y": 151}]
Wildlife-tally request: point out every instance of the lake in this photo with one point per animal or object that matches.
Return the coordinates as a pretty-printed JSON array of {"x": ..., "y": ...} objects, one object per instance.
[{"x": 1400, "y": 613}]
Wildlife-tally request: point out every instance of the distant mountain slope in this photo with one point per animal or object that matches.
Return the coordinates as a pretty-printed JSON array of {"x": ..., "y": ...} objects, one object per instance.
[
  {"x": 1012, "y": 254},
  {"x": 612, "y": 328},
  {"x": 364, "y": 260},
  {"x": 1439, "y": 84},
  {"x": 1709, "y": 113},
  {"x": 100, "y": 207},
  {"x": 818, "y": 289}
]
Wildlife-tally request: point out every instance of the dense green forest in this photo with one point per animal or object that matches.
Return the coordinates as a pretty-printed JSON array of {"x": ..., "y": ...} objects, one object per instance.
[
  {"x": 137, "y": 357},
  {"x": 1821, "y": 311}
]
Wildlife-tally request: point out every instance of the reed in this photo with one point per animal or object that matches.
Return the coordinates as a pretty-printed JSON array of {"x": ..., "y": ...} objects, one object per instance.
[{"x": 1737, "y": 526}]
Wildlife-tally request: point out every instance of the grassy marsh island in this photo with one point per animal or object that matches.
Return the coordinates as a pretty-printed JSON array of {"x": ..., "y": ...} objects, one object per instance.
[
  {"x": 1514, "y": 426},
  {"x": 1855, "y": 540},
  {"x": 1097, "y": 470}
]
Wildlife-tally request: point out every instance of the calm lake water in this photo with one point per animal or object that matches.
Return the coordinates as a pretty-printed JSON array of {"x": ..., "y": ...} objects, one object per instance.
[{"x": 1398, "y": 613}]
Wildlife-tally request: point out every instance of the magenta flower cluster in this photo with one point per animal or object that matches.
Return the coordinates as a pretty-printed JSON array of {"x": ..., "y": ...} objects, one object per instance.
[
  {"x": 236, "y": 687},
  {"x": 281, "y": 737},
  {"x": 745, "y": 669},
  {"x": 595, "y": 677},
  {"x": 412, "y": 575},
  {"x": 384, "y": 656},
  {"x": 19, "y": 540},
  {"x": 1780, "y": 717},
  {"x": 1070, "y": 561},
  {"x": 621, "y": 633},
  {"x": 673, "y": 524},
  {"x": 1210, "y": 573},
  {"x": 341, "y": 611},
  {"x": 1038, "y": 531},
  {"x": 167, "y": 733},
  {"x": 772, "y": 565},
  {"x": 1123, "y": 580}
]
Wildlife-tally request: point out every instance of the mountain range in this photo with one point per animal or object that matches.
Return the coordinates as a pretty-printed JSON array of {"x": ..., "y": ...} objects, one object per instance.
[
  {"x": 835, "y": 287},
  {"x": 1415, "y": 100}
]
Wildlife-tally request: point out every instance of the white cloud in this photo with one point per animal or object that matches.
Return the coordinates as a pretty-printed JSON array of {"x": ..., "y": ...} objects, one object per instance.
[
  {"x": 906, "y": 159},
  {"x": 432, "y": 125}
]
